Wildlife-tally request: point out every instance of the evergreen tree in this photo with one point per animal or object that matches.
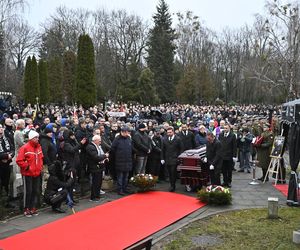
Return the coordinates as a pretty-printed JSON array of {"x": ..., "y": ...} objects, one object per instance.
[
  {"x": 27, "y": 82},
  {"x": 85, "y": 72},
  {"x": 69, "y": 76},
  {"x": 187, "y": 89},
  {"x": 161, "y": 51},
  {"x": 44, "y": 83},
  {"x": 147, "y": 91},
  {"x": 31, "y": 81},
  {"x": 35, "y": 79},
  {"x": 55, "y": 79}
]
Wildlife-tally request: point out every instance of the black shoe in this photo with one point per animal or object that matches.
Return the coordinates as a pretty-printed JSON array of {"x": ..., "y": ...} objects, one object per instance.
[
  {"x": 234, "y": 169},
  {"x": 241, "y": 171},
  {"x": 248, "y": 171},
  {"x": 127, "y": 192},
  {"x": 58, "y": 210},
  {"x": 171, "y": 189},
  {"x": 229, "y": 185},
  {"x": 121, "y": 193}
]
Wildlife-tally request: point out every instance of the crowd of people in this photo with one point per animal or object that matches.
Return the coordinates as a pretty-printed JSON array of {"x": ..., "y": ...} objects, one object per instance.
[{"x": 55, "y": 148}]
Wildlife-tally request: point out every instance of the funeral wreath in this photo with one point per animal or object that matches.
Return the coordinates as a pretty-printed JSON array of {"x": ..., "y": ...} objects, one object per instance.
[
  {"x": 215, "y": 195},
  {"x": 144, "y": 182}
]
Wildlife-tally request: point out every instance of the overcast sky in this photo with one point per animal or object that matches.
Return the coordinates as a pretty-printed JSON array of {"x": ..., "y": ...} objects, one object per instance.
[{"x": 215, "y": 14}]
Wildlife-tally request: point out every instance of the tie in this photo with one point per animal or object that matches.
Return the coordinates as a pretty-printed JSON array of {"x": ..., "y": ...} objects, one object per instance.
[{"x": 169, "y": 138}]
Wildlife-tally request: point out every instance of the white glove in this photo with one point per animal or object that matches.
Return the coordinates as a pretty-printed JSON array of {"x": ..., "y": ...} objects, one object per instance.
[
  {"x": 162, "y": 162},
  {"x": 205, "y": 160},
  {"x": 211, "y": 167},
  {"x": 234, "y": 159}
]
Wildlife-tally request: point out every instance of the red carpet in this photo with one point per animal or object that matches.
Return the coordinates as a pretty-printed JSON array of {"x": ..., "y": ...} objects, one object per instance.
[
  {"x": 114, "y": 225},
  {"x": 283, "y": 188}
]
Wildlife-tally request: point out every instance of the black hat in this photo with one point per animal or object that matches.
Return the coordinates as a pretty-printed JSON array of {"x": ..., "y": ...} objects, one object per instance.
[
  {"x": 124, "y": 129},
  {"x": 141, "y": 126}
]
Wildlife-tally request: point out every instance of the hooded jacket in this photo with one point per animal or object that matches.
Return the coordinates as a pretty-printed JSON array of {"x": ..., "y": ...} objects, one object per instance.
[
  {"x": 30, "y": 159},
  {"x": 70, "y": 151}
]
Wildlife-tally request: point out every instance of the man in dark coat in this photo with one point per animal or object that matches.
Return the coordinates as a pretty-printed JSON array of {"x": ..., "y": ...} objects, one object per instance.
[
  {"x": 171, "y": 148},
  {"x": 121, "y": 151},
  {"x": 214, "y": 158},
  {"x": 187, "y": 137},
  {"x": 96, "y": 159},
  {"x": 142, "y": 147},
  {"x": 6, "y": 154},
  {"x": 229, "y": 150}
]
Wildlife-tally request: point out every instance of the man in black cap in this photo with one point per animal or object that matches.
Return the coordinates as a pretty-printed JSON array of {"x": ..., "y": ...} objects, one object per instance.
[{"x": 142, "y": 147}]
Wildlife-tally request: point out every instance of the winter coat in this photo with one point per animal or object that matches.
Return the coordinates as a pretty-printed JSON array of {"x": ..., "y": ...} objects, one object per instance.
[
  {"x": 264, "y": 150},
  {"x": 200, "y": 139},
  {"x": 141, "y": 143},
  {"x": 6, "y": 148},
  {"x": 121, "y": 151},
  {"x": 56, "y": 180},
  {"x": 48, "y": 148},
  {"x": 244, "y": 144},
  {"x": 70, "y": 151},
  {"x": 30, "y": 159},
  {"x": 93, "y": 159}
]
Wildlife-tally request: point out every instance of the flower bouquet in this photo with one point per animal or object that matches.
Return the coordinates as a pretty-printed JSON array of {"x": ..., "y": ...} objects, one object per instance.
[
  {"x": 144, "y": 182},
  {"x": 215, "y": 195}
]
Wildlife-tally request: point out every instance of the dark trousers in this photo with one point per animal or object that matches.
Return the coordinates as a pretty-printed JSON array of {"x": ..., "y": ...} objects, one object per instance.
[
  {"x": 5, "y": 170},
  {"x": 96, "y": 184},
  {"x": 227, "y": 171},
  {"x": 31, "y": 191},
  {"x": 172, "y": 171},
  {"x": 122, "y": 180},
  {"x": 214, "y": 177}
]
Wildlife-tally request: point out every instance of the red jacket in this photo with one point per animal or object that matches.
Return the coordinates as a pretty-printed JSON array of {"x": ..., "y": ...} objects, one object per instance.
[{"x": 30, "y": 159}]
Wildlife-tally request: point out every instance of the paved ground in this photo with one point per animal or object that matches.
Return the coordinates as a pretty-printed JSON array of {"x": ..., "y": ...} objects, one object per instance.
[{"x": 244, "y": 196}]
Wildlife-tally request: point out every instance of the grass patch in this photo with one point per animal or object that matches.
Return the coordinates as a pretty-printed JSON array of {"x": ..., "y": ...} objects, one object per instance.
[{"x": 245, "y": 229}]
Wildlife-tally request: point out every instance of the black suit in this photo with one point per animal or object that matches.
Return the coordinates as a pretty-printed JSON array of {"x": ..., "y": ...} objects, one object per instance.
[
  {"x": 171, "y": 149},
  {"x": 96, "y": 169},
  {"x": 188, "y": 140},
  {"x": 214, "y": 157},
  {"x": 229, "y": 150}
]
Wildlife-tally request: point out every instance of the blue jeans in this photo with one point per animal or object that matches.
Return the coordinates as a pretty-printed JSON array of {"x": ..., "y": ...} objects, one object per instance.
[
  {"x": 244, "y": 160},
  {"x": 122, "y": 180},
  {"x": 141, "y": 162}
]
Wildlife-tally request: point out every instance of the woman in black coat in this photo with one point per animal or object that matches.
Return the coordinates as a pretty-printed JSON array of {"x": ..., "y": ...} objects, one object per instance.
[{"x": 70, "y": 153}]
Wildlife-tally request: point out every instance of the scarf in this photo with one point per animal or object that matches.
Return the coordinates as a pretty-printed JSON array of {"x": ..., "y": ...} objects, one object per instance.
[{"x": 6, "y": 145}]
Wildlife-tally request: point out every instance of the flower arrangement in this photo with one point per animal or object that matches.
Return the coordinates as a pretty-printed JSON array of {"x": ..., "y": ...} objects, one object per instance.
[
  {"x": 144, "y": 182},
  {"x": 215, "y": 195}
]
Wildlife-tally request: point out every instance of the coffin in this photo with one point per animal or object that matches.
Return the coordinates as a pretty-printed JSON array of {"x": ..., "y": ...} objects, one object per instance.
[{"x": 193, "y": 171}]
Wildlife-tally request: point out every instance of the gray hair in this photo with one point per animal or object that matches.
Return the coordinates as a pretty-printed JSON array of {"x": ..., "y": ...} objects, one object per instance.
[
  {"x": 19, "y": 122},
  {"x": 96, "y": 137}
]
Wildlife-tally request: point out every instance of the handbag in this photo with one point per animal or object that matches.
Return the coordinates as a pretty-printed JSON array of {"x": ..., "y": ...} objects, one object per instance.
[{"x": 58, "y": 196}]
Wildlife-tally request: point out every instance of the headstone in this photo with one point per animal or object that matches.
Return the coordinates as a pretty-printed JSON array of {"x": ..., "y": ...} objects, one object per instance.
[{"x": 296, "y": 237}]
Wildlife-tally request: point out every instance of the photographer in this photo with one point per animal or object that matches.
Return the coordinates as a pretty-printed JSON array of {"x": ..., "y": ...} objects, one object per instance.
[
  {"x": 244, "y": 144},
  {"x": 56, "y": 191}
]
